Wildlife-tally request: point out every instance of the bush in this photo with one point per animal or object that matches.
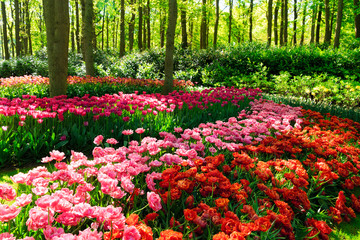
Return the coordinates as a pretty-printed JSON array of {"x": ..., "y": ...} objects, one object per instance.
[{"x": 209, "y": 67}]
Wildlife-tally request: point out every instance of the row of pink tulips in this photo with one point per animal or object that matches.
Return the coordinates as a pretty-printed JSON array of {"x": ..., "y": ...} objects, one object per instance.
[{"x": 40, "y": 108}]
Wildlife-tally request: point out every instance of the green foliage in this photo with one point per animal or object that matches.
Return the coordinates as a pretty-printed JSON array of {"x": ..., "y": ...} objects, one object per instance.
[{"x": 209, "y": 67}]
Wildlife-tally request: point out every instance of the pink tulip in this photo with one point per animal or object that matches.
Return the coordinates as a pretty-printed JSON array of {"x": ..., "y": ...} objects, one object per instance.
[{"x": 154, "y": 201}]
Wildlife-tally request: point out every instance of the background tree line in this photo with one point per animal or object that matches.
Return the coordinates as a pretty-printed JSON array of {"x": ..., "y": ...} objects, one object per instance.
[{"x": 128, "y": 25}]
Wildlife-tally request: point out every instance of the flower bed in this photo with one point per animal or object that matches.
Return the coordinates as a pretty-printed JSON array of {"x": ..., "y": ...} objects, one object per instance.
[
  {"x": 164, "y": 188},
  {"x": 36, "y": 80},
  {"x": 15, "y": 87},
  {"x": 32, "y": 126},
  {"x": 273, "y": 171}
]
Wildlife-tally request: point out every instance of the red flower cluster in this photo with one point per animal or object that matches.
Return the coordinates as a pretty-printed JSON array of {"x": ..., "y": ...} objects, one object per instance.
[{"x": 135, "y": 228}]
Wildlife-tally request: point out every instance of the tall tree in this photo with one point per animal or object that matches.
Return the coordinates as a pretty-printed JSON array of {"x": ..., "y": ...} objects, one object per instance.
[
  {"x": 184, "y": 40},
  {"x": 169, "y": 55},
  {"x": 162, "y": 27},
  {"x": 251, "y": 19},
  {"x": 276, "y": 17},
  {"x": 230, "y": 19},
  {"x": 217, "y": 14},
  {"x": 339, "y": 17},
  {"x": 203, "y": 26},
  {"x": 132, "y": 25},
  {"x": 357, "y": 18},
  {"x": 327, "y": 22},
  {"x": 286, "y": 22},
  {"x": 56, "y": 14},
  {"x": 107, "y": 32},
  {"x": 269, "y": 21},
  {"x": 28, "y": 27},
  {"x": 295, "y": 20},
  {"x": 148, "y": 11},
  {"x": 88, "y": 33},
  {"x": 17, "y": 28},
  {"x": 282, "y": 22},
  {"x": 103, "y": 27},
  {"x": 115, "y": 32},
  {"x": 77, "y": 31},
  {"x": 303, "y": 24},
  {"x": 140, "y": 46},
  {"x": 144, "y": 28},
  {"x": 318, "y": 24},
  {"x": 191, "y": 33},
  {"x": 6, "y": 46},
  {"x": 11, "y": 27},
  {"x": 313, "y": 23},
  {"x": 72, "y": 32},
  {"x": 122, "y": 28}
]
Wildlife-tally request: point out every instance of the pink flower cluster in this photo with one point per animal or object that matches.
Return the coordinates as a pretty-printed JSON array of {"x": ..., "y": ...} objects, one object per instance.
[{"x": 119, "y": 104}]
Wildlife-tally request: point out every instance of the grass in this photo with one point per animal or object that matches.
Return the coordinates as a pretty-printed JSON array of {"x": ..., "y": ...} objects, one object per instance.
[{"x": 350, "y": 230}]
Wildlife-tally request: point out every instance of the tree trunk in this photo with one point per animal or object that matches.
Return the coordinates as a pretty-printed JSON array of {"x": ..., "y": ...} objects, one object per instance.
[
  {"x": 169, "y": 60},
  {"x": 12, "y": 44},
  {"x": 72, "y": 33},
  {"x": 17, "y": 28},
  {"x": 103, "y": 28},
  {"x": 317, "y": 37},
  {"x": 203, "y": 26},
  {"x": 144, "y": 29},
  {"x": 269, "y": 21},
  {"x": 6, "y": 46},
  {"x": 276, "y": 14},
  {"x": 357, "y": 19},
  {"x": 77, "y": 32},
  {"x": 28, "y": 28},
  {"x": 216, "y": 22},
  {"x": 282, "y": 13},
  {"x": 115, "y": 32},
  {"x": 122, "y": 28},
  {"x": 191, "y": 33},
  {"x": 313, "y": 23},
  {"x": 88, "y": 33},
  {"x": 286, "y": 22},
  {"x": 295, "y": 19},
  {"x": 140, "y": 46},
  {"x": 332, "y": 14},
  {"x": 148, "y": 25},
  {"x": 56, "y": 14},
  {"x": 23, "y": 30},
  {"x": 230, "y": 19},
  {"x": 107, "y": 32},
  {"x": 339, "y": 17},
  {"x": 327, "y": 22},
  {"x": 184, "y": 41},
  {"x": 251, "y": 19},
  {"x": 162, "y": 30},
  {"x": 303, "y": 24},
  {"x": 132, "y": 26}
]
